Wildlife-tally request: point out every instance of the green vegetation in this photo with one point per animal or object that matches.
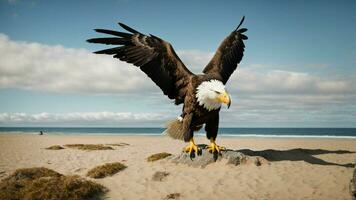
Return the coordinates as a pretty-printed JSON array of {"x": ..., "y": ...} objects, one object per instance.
[
  {"x": 118, "y": 144},
  {"x": 158, "y": 156},
  {"x": 172, "y": 196},
  {"x": 89, "y": 147},
  {"x": 55, "y": 147},
  {"x": 42, "y": 183},
  {"x": 107, "y": 169}
]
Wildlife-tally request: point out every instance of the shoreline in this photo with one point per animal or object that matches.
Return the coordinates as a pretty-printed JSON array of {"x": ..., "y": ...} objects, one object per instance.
[{"x": 273, "y": 136}]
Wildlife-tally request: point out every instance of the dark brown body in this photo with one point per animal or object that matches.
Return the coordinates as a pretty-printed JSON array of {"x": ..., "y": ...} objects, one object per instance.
[{"x": 194, "y": 115}]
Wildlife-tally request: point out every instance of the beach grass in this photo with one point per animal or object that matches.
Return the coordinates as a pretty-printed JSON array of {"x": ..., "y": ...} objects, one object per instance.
[
  {"x": 43, "y": 183},
  {"x": 105, "y": 170},
  {"x": 173, "y": 196},
  {"x": 158, "y": 156},
  {"x": 89, "y": 147},
  {"x": 55, "y": 147},
  {"x": 119, "y": 144}
]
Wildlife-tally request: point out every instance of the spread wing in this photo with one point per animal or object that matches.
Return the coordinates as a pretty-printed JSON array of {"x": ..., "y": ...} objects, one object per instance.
[
  {"x": 228, "y": 55},
  {"x": 155, "y": 57}
]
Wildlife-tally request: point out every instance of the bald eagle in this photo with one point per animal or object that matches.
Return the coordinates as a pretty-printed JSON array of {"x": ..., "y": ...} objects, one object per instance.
[{"x": 201, "y": 94}]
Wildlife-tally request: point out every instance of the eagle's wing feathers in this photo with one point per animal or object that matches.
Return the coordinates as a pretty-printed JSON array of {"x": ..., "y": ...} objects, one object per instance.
[
  {"x": 228, "y": 55},
  {"x": 154, "y": 56}
]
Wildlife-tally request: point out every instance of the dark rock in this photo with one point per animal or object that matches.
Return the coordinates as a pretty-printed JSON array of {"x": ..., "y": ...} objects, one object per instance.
[
  {"x": 229, "y": 156},
  {"x": 159, "y": 176},
  {"x": 353, "y": 185}
]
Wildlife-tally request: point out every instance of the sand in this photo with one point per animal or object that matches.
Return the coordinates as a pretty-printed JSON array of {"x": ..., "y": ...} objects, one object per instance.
[{"x": 303, "y": 173}]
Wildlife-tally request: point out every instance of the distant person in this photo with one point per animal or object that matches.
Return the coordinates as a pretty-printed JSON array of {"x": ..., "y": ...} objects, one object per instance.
[{"x": 41, "y": 132}]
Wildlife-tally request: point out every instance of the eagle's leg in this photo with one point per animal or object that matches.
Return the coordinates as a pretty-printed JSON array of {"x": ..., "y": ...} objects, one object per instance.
[
  {"x": 213, "y": 147},
  {"x": 211, "y": 128},
  {"x": 192, "y": 148}
]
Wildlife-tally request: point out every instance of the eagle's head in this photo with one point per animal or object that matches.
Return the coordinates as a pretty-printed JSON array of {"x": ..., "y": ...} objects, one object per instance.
[{"x": 211, "y": 94}]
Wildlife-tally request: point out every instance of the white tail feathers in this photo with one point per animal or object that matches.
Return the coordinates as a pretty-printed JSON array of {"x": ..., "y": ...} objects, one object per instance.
[{"x": 174, "y": 129}]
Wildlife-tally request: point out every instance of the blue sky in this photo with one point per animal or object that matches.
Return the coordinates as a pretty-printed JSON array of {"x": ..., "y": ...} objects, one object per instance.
[{"x": 298, "y": 69}]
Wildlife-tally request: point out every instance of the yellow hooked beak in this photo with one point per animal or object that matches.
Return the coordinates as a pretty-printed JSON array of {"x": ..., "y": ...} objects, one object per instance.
[{"x": 224, "y": 98}]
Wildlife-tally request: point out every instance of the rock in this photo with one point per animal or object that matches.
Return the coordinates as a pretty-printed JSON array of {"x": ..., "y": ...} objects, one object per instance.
[
  {"x": 353, "y": 185},
  {"x": 229, "y": 156},
  {"x": 159, "y": 176}
]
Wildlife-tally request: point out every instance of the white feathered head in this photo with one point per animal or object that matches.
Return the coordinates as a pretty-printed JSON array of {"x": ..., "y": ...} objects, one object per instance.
[{"x": 211, "y": 94}]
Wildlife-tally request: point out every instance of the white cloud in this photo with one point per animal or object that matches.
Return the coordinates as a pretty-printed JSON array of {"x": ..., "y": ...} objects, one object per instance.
[
  {"x": 250, "y": 80},
  {"x": 261, "y": 94},
  {"x": 80, "y": 117},
  {"x": 34, "y": 66},
  {"x": 195, "y": 60}
]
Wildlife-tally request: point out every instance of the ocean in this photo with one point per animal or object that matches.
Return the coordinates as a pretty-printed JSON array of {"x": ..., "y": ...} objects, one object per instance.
[{"x": 224, "y": 132}]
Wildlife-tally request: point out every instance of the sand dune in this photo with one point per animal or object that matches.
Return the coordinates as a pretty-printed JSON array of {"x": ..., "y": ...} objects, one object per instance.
[{"x": 296, "y": 168}]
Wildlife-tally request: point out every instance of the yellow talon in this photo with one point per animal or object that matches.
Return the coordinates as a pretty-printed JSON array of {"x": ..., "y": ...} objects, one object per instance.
[
  {"x": 213, "y": 147},
  {"x": 192, "y": 147}
]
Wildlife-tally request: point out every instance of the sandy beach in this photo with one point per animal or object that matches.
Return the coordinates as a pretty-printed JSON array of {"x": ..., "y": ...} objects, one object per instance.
[{"x": 297, "y": 168}]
